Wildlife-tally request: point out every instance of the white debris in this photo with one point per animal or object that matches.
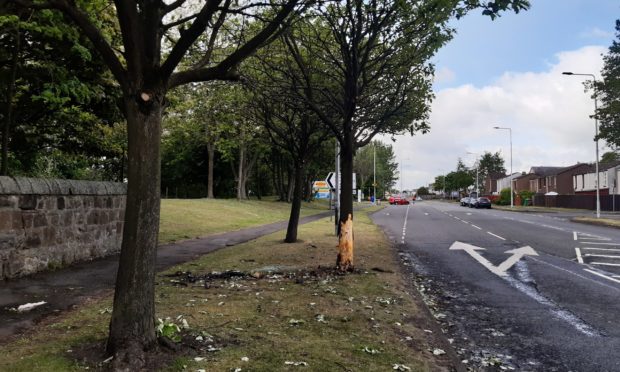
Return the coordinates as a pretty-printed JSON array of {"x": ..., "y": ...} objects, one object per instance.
[
  {"x": 27, "y": 307},
  {"x": 289, "y": 363},
  {"x": 321, "y": 318},
  {"x": 438, "y": 352},
  {"x": 185, "y": 324},
  {"x": 370, "y": 351},
  {"x": 245, "y": 359},
  {"x": 199, "y": 359},
  {"x": 400, "y": 367}
]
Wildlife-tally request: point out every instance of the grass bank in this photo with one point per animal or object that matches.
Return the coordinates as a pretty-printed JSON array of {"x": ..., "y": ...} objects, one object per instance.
[
  {"x": 608, "y": 222},
  {"x": 183, "y": 219},
  {"x": 281, "y": 308}
]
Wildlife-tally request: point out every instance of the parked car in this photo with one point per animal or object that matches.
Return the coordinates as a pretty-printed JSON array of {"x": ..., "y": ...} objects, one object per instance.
[
  {"x": 395, "y": 199},
  {"x": 464, "y": 201},
  {"x": 472, "y": 202},
  {"x": 403, "y": 201},
  {"x": 482, "y": 202}
]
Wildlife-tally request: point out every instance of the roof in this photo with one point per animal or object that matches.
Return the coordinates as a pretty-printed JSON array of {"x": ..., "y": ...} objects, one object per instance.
[
  {"x": 590, "y": 167},
  {"x": 605, "y": 166},
  {"x": 545, "y": 171},
  {"x": 496, "y": 175}
]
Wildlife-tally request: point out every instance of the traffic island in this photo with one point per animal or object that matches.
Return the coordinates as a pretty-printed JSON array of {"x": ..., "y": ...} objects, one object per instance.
[
  {"x": 264, "y": 305},
  {"x": 608, "y": 222}
]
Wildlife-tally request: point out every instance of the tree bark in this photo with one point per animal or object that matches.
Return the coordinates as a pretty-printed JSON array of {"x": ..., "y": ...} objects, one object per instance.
[
  {"x": 344, "y": 261},
  {"x": 211, "y": 154},
  {"x": 293, "y": 221},
  {"x": 132, "y": 327},
  {"x": 240, "y": 182}
]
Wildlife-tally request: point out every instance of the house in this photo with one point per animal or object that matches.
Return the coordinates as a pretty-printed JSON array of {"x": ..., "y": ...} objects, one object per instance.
[
  {"x": 564, "y": 179},
  {"x": 522, "y": 182},
  {"x": 504, "y": 183},
  {"x": 584, "y": 183},
  {"x": 545, "y": 179},
  {"x": 490, "y": 182}
]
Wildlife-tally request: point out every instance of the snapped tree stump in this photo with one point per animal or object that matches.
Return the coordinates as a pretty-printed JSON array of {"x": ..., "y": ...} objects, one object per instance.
[{"x": 344, "y": 261}]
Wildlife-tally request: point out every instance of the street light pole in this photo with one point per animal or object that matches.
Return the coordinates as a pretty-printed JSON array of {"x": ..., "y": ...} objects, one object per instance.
[
  {"x": 598, "y": 193},
  {"x": 512, "y": 205},
  {"x": 374, "y": 171},
  {"x": 477, "y": 164}
]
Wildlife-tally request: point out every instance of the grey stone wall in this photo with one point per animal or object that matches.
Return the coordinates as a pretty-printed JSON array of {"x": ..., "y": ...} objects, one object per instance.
[{"x": 46, "y": 224}]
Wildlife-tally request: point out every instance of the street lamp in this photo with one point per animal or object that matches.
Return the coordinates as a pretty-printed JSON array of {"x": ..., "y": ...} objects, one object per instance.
[
  {"x": 477, "y": 164},
  {"x": 511, "y": 187},
  {"x": 598, "y": 196}
]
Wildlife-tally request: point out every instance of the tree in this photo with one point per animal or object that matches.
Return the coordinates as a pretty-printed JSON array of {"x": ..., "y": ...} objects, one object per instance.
[
  {"x": 370, "y": 71},
  {"x": 610, "y": 157},
  {"x": 422, "y": 191},
  {"x": 156, "y": 36},
  {"x": 440, "y": 183},
  {"x": 608, "y": 93},
  {"x": 386, "y": 167},
  {"x": 490, "y": 163}
]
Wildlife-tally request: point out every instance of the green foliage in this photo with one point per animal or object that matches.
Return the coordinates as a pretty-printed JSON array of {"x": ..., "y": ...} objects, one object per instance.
[
  {"x": 610, "y": 157},
  {"x": 423, "y": 191},
  {"x": 524, "y": 194},
  {"x": 386, "y": 167},
  {"x": 608, "y": 92},
  {"x": 504, "y": 197}
]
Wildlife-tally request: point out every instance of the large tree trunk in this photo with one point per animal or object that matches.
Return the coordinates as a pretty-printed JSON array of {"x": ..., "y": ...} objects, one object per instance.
[
  {"x": 344, "y": 262},
  {"x": 8, "y": 120},
  {"x": 211, "y": 154},
  {"x": 293, "y": 221},
  {"x": 132, "y": 328}
]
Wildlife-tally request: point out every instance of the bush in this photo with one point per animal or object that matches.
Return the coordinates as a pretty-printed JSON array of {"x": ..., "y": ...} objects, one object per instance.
[
  {"x": 526, "y": 194},
  {"x": 504, "y": 197}
]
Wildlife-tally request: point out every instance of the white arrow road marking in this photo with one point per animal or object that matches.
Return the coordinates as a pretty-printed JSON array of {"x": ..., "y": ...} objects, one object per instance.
[
  {"x": 500, "y": 270},
  {"x": 578, "y": 253}
]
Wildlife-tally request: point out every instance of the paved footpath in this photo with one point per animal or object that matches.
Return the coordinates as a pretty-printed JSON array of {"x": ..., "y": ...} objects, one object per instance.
[{"x": 65, "y": 288}]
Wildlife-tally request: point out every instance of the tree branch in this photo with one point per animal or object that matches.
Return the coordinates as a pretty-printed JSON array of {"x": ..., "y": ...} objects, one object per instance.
[{"x": 202, "y": 74}]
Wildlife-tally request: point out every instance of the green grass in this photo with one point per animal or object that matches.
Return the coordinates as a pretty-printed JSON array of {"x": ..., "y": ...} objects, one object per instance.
[
  {"x": 252, "y": 317},
  {"x": 183, "y": 219}
]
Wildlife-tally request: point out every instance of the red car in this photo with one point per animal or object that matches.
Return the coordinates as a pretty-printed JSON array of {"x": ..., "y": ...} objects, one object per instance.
[{"x": 398, "y": 200}]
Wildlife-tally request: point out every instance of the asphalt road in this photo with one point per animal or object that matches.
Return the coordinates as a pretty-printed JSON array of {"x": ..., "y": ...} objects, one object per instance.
[{"x": 551, "y": 307}]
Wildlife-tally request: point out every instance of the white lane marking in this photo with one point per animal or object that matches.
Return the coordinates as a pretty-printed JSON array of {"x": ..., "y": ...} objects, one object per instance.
[
  {"x": 575, "y": 274},
  {"x": 402, "y": 241},
  {"x": 497, "y": 236},
  {"x": 575, "y": 235},
  {"x": 602, "y": 249},
  {"x": 601, "y": 255},
  {"x": 604, "y": 264},
  {"x": 602, "y": 276},
  {"x": 479, "y": 228},
  {"x": 426, "y": 214},
  {"x": 500, "y": 270},
  {"x": 579, "y": 258},
  {"x": 601, "y": 243},
  {"x": 468, "y": 213},
  {"x": 600, "y": 239},
  {"x": 465, "y": 222}
]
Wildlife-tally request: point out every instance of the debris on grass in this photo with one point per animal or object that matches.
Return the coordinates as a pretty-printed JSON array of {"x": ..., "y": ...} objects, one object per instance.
[
  {"x": 107, "y": 310},
  {"x": 438, "y": 352},
  {"x": 297, "y": 364},
  {"x": 320, "y": 318},
  {"x": 400, "y": 367},
  {"x": 27, "y": 307},
  {"x": 245, "y": 359},
  {"x": 368, "y": 350},
  {"x": 296, "y": 322}
]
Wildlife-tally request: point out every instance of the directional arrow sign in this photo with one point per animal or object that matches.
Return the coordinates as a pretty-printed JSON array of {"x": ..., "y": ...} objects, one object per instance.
[
  {"x": 331, "y": 180},
  {"x": 500, "y": 270}
]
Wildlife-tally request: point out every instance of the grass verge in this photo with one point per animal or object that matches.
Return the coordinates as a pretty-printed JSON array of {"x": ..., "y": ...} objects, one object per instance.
[
  {"x": 598, "y": 221},
  {"x": 183, "y": 219},
  {"x": 280, "y": 310}
]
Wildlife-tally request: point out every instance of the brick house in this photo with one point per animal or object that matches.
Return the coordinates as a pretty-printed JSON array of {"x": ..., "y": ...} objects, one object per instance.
[
  {"x": 490, "y": 183},
  {"x": 544, "y": 180},
  {"x": 565, "y": 178},
  {"x": 522, "y": 182}
]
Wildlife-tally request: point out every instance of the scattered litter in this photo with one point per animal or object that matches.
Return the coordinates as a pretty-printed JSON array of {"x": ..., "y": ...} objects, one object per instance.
[
  {"x": 428, "y": 331},
  {"x": 312, "y": 303},
  {"x": 199, "y": 359},
  {"x": 408, "y": 338},
  {"x": 384, "y": 301},
  {"x": 451, "y": 341},
  {"x": 107, "y": 310},
  {"x": 245, "y": 359},
  {"x": 221, "y": 303},
  {"x": 238, "y": 329},
  {"x": 320, "y": 318},
  {"x": 108, "y": 360},
  {"x": 400, "y": 367},
  {"x": 199, "y": 338},
  {"x": 211, "y": 349},
  {"x": 397, "y": 324},
  {"x": 27, "y": 307},
  {"x": 289, "y": 363},
  {"x": 370, "y": 351},
  {"x": 296, "y": 322},
  {"x": 201, "y": 370},
  {"x": 237, "y": 370},
  {"x": 184, "y": 323},
  {"x": 440, "y": 315},
  {"x": 438, "y": 352}
]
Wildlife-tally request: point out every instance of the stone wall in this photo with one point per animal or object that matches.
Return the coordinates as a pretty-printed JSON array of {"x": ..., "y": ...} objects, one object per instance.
[{"x": 46, "y": 224}]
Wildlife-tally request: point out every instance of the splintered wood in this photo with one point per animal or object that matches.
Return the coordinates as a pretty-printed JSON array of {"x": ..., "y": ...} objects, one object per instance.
[{"x": 345, "y": 245}]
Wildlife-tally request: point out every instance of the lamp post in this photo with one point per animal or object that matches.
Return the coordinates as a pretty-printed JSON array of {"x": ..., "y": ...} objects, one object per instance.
[
  {"x": 477, "y": 164},
  {"x": 374, "y": 172},
  {"x": 511, "y": 187},
  {"x": 598, "y": 194}
]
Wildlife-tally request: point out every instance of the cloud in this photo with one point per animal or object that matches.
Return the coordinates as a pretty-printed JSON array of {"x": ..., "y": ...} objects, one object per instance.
[
  {"x": 549, "y": 114},
  {"x": 444, "y": 75},
  {"x": 596, "y": 33}
]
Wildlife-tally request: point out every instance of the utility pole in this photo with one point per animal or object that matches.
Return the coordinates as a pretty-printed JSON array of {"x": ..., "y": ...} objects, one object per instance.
[{"x": 337, "y": 194}]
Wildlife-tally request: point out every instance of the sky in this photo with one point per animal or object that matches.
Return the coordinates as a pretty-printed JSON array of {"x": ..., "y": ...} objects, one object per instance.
[{"x": 508, "y": 73}]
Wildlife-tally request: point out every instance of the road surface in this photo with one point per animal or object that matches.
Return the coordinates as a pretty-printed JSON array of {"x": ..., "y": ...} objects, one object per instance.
[{"x": 514, "y": 291}]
